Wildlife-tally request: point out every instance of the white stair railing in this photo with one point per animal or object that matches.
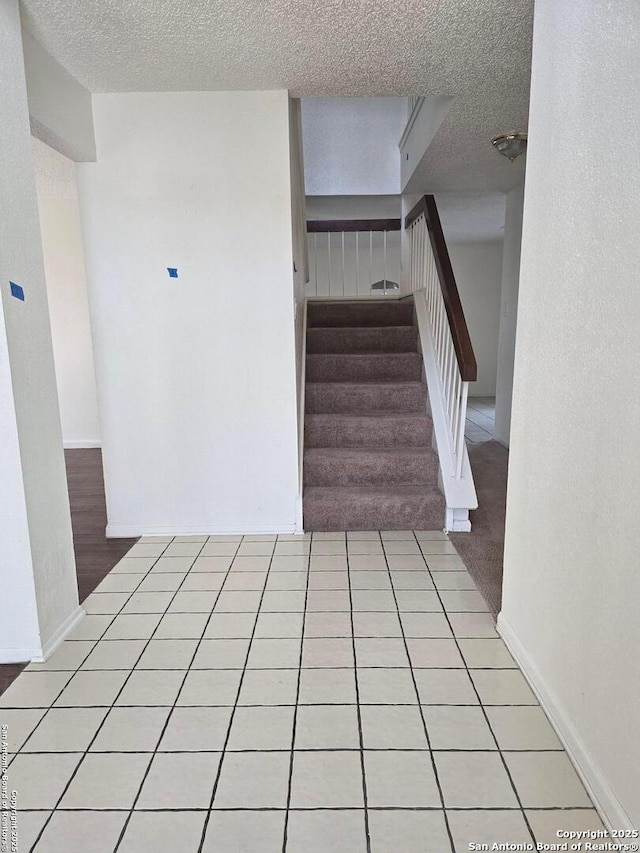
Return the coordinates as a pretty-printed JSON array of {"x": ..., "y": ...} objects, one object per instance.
[
  {"x": 448, "y": 357},
  {"x": 357, "y": 258}
]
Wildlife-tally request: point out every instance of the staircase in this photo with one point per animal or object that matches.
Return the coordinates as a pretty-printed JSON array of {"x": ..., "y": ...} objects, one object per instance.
[{"x": 368, "y": 462}]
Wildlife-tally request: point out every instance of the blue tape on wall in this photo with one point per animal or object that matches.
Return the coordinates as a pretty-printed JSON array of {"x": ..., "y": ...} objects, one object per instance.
[
  {"x": 173, "y": 272},
  {"x": 16, "y": 290}
]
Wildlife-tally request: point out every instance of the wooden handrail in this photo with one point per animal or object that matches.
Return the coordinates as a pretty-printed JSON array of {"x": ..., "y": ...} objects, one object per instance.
[
  {"x": 457, "y": 323},
  {"x": 317, "y": 226}
]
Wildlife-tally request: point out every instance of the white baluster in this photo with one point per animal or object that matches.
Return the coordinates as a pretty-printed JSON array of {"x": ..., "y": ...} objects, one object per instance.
[
  {"x": 461, "y": 420},
  {"x": 370, "y": 260}
]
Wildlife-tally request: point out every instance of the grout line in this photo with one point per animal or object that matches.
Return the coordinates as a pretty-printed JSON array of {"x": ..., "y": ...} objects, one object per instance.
[
  {"x": 235, "y": 705},
  {"x": 424, "y": 722},
  {"x": 288, "y": 749},
  {"x": 85, "y": 751},
  {"x": 186, "y": 670},
  {"x": 359, "y": 714},
  {"x": 394, "y": 589},
  {"x": 295, "y": 713},
  {"x": 487, "y": 720},
  {"x": 76, "y": 669},
  {"x": 462, "y": 809},
  {"x": 112, "y": 705}
]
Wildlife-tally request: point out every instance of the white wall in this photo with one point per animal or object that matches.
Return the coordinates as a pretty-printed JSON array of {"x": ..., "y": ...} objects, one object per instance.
[
  {"x": 67, "y": 293},
  {"x": 59, "y": 106},
  {"x": 353, "y": 206},
  {"x": 508, "y": 312},
  {"x": 351, "y": 145},
  {"x": 196, "y": 375},
  {"x": 571, "y": 579},
  {"x": 37, "y": 567},
  {"x": 422, "y": 126},
  {"x": 477, "y": 268}
]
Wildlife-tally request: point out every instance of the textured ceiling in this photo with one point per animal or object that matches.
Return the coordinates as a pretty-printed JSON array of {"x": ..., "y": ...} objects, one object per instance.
[{"x": 476, "y": 50}]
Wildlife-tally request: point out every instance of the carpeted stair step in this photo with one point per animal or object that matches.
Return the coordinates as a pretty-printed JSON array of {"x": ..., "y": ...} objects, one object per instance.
[
  {"x": 378, "y": 367},
  {"x": 363, "y": 339},
  {"x": 359, "y": 314},
  {"x": 377, "y": 430},
  {"x": 369, "y": 466},
  {"x": 373, "y": 508},
  {"x": 353, "y": 397}
]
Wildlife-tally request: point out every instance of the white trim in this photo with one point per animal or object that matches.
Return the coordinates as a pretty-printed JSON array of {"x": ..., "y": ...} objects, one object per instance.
[
  {"x": 18, "y": 655},
  {"x": 40, "y": 654},
  {"x": 457, "y": 521},
  {"x": 608, "y": 806},
  {"x": 361, "y": 297},
  {"x": 299, "y": 515},
  {"x": 132, "y": 531},
  {"x": 301, "y": 414},
  {"x": 79, "y": 443},
  {"x": 415, "y": 112}
]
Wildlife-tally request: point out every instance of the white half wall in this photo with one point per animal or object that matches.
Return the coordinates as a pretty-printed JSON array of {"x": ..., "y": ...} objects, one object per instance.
[
  {"x": 197, "y": 374},
  {"x": 571, "y": 579},
  {"x": 477, "y": 268},
  {"x": 508, "y": 312},
  {"x": 67, "y": 292},
  {"x": 351, "y": 145},
  {"x": 362, "y": 267}
]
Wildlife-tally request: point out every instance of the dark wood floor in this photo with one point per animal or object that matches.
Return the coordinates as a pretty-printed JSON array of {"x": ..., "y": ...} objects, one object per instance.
[{"x": 95, "y": 554}]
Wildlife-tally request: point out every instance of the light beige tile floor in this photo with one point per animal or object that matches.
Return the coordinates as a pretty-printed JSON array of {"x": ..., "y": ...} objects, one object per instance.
[{"x": 338, "y": 693}]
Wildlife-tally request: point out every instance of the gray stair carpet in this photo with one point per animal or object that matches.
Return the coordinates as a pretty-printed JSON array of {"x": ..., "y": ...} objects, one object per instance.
[{"x": 368, "y": 462}]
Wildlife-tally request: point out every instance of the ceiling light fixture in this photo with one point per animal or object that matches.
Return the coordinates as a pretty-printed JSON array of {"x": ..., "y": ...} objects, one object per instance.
[{"x": 510, "y": 145}]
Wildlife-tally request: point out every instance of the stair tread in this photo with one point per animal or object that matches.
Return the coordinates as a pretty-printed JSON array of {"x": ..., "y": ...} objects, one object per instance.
[
  {"x": 368, "y": 328},
  {"x": 420, "y": 450},
  {"x": 381, "y": 355},
  {"x": 384, "y": 383},
  {"x": 401, "y": 490},
  {"x": 367, "y": 353},
  {"x": 385, "y": 413}
]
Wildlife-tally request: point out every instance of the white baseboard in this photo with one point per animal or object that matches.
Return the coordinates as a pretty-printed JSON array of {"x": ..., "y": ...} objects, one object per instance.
[
  {"x": 81, "y": 443},
  {"x": 299, "y": 517},
  {"x": 40, "y": 654},
  {"x": 609, "y": 807},
  {"x": 60, "y": 634},
  {"x": 18, "y": 655},
  {"x": 130, "y": 531}
]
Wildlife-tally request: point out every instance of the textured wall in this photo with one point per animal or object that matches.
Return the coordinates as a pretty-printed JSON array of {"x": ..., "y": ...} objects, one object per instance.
[
  {"x": 351, "y": 145},
  {"x": 196, "y": 375},
  {"x": 477, "y": 267},
  {"x": 571, "y": 579},
  {"x": 508, "y": 312},
  {"x": 67, "y": 294},
  {"x": 36, "y": 547}
]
